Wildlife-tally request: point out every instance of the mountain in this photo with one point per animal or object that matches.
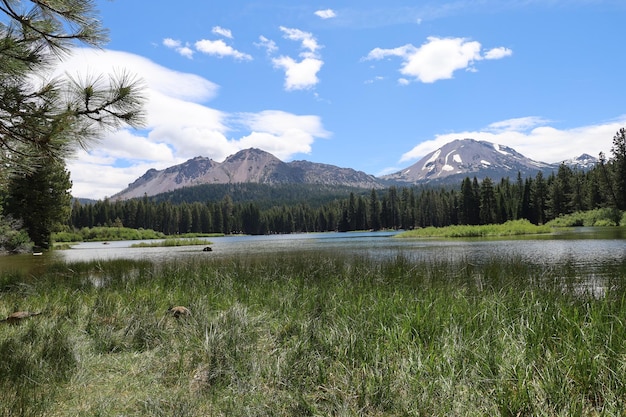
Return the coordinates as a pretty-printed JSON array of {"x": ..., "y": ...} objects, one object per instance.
[
  {"x": 449, "y": 164},
  {"x": 246, "y": 166},
  {"x": 468, "y": 158},
  {"x": 583, "y": 162}
]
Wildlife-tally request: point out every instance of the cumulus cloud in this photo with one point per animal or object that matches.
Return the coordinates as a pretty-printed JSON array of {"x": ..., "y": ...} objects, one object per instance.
[
  {"x": 222, "y": 32},
  {"x": 267, "y": 44},
  {"x": 280, "y": 133},
  {"x": 534, "y": 138},
  {"x": 300, "y": 74},
  {"x": 438, "y": 58},
  {"x": 498, "y": 53},
  {"x": 309, "y": 43},
  {"x": 179, "y": 126},
  {"x": 326, "y": 14},
  {"x": 217, "y": 47},
  {"x": 220, "y": 49},
  {"x": 177, "y": 45}
]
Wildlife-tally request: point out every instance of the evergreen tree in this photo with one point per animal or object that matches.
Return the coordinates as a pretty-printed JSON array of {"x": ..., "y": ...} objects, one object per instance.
[
  {"x": 469, "y": 204},
  {"x": 46, "y": 120},
  {"x": 374, "y": 211},
  {"x": 539, "y": 197},
  {"x": 487, "y": 202},
  {"x": 42, "y": 121},
  {"x": 42, "y": 201},
  {"x": 619, "y": 168}
]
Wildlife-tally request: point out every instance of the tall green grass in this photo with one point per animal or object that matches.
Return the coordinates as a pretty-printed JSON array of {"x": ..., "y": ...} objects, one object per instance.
[
  {"x": 171, "y": 242},
  {"x": 597, "y": 217},
  {"x": 314, "y": 334},
  {"x": 510, "y": 228}
]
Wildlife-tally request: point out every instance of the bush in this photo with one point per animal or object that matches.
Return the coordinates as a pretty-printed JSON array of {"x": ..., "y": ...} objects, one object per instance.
[
  {"x": 67, "y": 237},
  {"x": 599, "y": 217},
  {"x": 12, "y": 238}
]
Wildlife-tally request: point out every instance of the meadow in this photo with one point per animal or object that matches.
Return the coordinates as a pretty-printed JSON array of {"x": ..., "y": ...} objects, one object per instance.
[
  {"x": 313, "y": 334},
  {"x": 509, "y": 228}
]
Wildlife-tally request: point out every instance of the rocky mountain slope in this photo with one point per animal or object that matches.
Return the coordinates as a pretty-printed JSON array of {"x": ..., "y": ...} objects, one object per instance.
[
  {"x": 249, "y": 165},
  {"x": 468, "y": 157},
  {"x": 449, "y": 164}
]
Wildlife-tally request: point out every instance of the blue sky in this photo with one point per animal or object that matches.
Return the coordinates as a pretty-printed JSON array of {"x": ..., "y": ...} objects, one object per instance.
[{"x": 363, "y": 84}]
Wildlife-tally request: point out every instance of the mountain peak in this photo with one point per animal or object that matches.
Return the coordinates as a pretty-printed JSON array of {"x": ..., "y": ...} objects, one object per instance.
[
  {"x": 450, "y": 163},
  {"x": 468, "y": 157},
  {"x": 248, "y": 165},
  {"x": 584, "y": 162}
]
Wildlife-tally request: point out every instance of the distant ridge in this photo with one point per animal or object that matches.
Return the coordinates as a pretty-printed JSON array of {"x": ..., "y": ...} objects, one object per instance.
[
  {"x": 249, "y": 165},
  {"x": 468, "y": 157},
  {"x": 449, "y": 164}
]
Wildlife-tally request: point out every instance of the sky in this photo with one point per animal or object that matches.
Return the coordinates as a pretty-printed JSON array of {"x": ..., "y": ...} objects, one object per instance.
[{"x": 361, "y": 84}]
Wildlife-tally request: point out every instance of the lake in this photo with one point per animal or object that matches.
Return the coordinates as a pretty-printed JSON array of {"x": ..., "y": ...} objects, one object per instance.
[{"x": 590, "y": 249}]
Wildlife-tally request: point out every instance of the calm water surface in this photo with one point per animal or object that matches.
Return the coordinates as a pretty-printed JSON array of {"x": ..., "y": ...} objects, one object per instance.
[{"x": 588, "y": 248}]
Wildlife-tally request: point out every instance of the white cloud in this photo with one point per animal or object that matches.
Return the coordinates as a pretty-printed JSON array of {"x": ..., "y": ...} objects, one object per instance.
[
  {"x": 326, "y": 14},
  {"x": 300, "y": 75},
  {"x": 309, "y": 43},
  {"x": 498, "y": 53},
  {"x": 222, "y": 32},
  {"x": 176, "y": 45},
  {"x": 438, "y": 58},
  {"x": 531, "y": 137},
  {"x": 269, "y": 45},
  {"x": 280, "y": 133},
  {"x": 517, "y": 124},
  {"x": 179, "y": 127},
  {"x": 403, "y": 81},
  {"x": 210, "y": 47},
  {"x": 221, "y": 49}
]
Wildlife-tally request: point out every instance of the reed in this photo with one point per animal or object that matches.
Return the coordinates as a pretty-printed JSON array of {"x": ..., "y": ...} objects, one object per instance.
[
  {"x": 510, "y": 228},
  {"x": 171, "y": 242},
  {"x": 314, "y": 334}
]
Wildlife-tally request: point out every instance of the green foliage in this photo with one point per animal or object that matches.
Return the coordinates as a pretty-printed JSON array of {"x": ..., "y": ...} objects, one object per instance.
[
  {"x": 598, "y": 217},
  {"x": 172, "y": 242},
  {"x": 67, "y": 237},
  {"x": 314, "y": 334},
  {"x": 44, "y": 122},
  {"x": 97, "y": 234},
  {"x": 264, "y": 196},
  {"x": 510, "y": 228},
  {"x": 32, "y": 358},
  {"x": 41, "y": 200},
  {"x": 41, "y": 121},
  {"x": 13, "y": 239}
]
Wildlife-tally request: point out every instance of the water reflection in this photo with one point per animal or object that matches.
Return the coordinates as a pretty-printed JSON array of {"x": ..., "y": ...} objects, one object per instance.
[{"x": 588, "y": 248}]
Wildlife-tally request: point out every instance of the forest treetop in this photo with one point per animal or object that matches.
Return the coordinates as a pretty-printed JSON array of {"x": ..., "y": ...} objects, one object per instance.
[{"x": 43, "y": 117}]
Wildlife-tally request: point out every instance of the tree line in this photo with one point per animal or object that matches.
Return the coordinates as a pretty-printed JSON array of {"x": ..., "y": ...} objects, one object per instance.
[
  {"x": 45, "y": 119},
  {"x": 537, "y": 199}
]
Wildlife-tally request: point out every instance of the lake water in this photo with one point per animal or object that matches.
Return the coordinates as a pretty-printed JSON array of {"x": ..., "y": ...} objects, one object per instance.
[{"x": 586, "y": 248}]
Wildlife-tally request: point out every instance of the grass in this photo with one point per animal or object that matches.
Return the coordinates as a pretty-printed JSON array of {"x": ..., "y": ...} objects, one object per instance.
[
  {"x": 313, "y": 334},
  {"x": 102, "y": 234},
  {"x": 510, "y": 228},
  {"x": 170, "y": 242},
  {"x": 601, "y": 217}
]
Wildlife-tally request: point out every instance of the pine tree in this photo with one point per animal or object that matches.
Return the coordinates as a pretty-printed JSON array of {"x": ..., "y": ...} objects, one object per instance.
[
  {"x": 41, "y": 199},
  {"x": 619, "y": 168},
  {"x": 47, "y": 120},
  {"x": 487, "y": 202},
  {"x": 374, "y": 211}
]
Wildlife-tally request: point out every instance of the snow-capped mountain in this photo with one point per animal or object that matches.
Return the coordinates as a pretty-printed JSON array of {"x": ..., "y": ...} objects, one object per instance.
[
  {"x": 468, "y": 157},
  {"x": 449, "y": 164},
  {"x": 583, "y": 162}
]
